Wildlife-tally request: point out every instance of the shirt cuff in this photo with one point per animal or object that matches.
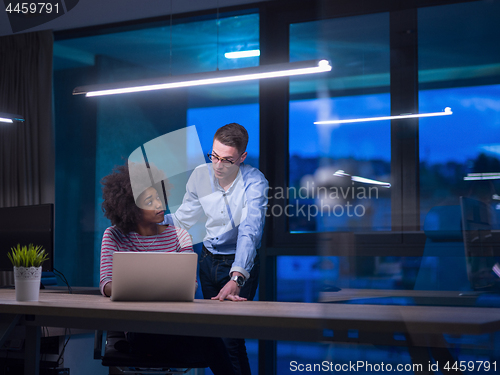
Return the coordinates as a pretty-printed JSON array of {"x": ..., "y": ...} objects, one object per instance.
[
  {"x": 103, "y": 284},
  {"x": 241, "y": 270}
]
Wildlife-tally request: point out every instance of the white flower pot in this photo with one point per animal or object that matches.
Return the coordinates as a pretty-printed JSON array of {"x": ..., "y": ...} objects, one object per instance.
[{"x": 27, "y": 283}]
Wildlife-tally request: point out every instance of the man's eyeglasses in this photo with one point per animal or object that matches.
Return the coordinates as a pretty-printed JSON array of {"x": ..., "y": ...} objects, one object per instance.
[{"x": 214, "y": 158}]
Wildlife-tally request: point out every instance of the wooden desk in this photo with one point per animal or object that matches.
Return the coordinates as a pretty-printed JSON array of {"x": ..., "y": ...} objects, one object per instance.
[{"x": 259, "y": 320}]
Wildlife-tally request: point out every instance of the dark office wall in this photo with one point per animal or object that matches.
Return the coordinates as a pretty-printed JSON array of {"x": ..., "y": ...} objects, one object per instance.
[{"x": 75, "y": 176}]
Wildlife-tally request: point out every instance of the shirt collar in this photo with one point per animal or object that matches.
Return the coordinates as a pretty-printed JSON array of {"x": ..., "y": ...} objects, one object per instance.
[{"x": 217, "y": 185}]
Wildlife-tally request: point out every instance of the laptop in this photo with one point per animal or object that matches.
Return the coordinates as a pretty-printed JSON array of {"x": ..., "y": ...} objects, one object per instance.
[{"x": 154, "y": 276}]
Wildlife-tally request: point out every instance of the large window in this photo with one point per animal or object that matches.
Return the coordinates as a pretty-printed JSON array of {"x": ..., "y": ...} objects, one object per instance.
[
  {"x": 322, "y": 196},
  {"x": 209, "y": 119},
  {"x": 95, "y": 134},
  {"x": 323, "y": 193},
  {"x": 459, "y": 67}
]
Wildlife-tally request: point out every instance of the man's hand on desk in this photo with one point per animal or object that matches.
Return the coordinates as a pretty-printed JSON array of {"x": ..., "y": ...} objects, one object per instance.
[{"x": 230, "y": 291}]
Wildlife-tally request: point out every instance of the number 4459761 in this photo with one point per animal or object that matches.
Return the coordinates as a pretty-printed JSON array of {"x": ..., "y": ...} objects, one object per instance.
[{"x": 32, "y": 8}]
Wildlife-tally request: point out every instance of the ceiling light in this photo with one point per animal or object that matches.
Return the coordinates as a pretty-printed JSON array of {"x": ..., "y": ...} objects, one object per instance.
[
  {"x": 10, "y": 118},
  {"x": 447, "y": 111},
  {"x": 208, "y": 78},
  {"x": 496, "y": 269},
  {"x": 482, "y": 176},
  {"x": 242, "y": 54},
  {"x": 341, "y": 173}
]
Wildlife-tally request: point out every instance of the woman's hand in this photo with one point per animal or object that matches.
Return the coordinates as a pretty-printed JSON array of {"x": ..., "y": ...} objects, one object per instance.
[{"x": 107, "y": 289}]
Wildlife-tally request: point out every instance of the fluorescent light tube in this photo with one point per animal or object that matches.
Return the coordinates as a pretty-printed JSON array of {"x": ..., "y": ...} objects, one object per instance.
[
  {"x": 341, "y": 173},
  {"x": 242, "y": 54},
  {"x": 482, "y": 176},
  {"x": 447, "y": 111},
  {"x": 209, "y": 78},
  {"x": 369, "y": 181},
  {"x": 10, "y": 118}
]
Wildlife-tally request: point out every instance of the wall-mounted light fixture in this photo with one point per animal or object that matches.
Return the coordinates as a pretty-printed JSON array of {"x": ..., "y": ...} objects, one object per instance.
[
  {"x": 447, "y": 112},
  {"x": 208, "y": 78},
  {"x": 10, "y": 118}
]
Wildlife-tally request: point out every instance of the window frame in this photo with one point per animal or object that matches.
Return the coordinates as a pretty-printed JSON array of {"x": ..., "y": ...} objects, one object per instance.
[{"x": 405, "y": 238}]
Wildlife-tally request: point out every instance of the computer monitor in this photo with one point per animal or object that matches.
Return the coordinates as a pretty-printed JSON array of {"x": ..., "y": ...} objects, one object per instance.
[
  {"x": 24, "y": 225},
  {"x": 478, "y": 244}
]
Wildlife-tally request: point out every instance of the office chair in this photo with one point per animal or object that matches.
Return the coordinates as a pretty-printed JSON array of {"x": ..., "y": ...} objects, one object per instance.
[
  {"x": 443, "y": 264},
  {"x": 133, "y": 363},
  {"x": 443, "y": 267}
]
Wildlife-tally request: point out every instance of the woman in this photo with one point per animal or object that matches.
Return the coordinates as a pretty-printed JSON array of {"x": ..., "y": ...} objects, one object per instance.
[
  {"x": 136, "y": 228},
  {"x": 135, "y": 221}
]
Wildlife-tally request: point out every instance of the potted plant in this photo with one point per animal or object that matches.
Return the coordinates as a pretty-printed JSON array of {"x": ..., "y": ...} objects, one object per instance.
[{"x": 27, "y": 262}]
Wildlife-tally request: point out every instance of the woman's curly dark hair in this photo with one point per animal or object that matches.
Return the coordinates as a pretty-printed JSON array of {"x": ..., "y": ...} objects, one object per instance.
[{"x": 119, "y": 204}]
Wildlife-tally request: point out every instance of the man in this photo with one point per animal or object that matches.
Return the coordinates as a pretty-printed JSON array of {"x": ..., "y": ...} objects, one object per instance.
[{"x": 231, "y": 195}]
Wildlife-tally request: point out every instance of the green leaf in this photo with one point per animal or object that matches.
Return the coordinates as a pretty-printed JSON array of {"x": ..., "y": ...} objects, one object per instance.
[{"x": 27, "y": 256}]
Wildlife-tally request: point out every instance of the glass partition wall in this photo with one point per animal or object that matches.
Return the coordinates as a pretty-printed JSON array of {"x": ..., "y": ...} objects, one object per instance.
[
  {"x": 361, "y": 205},
  {"x": 459, "y": 67},
  {"x": 409, "y": 233},
  {"x": 360, "y": 193},
  {"x": 323, "y": 157},
  {"x": 96, "y": 134}
]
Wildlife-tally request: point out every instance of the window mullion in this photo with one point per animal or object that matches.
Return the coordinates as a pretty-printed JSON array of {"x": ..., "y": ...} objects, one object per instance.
[{"x": 404, "y": 132}]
